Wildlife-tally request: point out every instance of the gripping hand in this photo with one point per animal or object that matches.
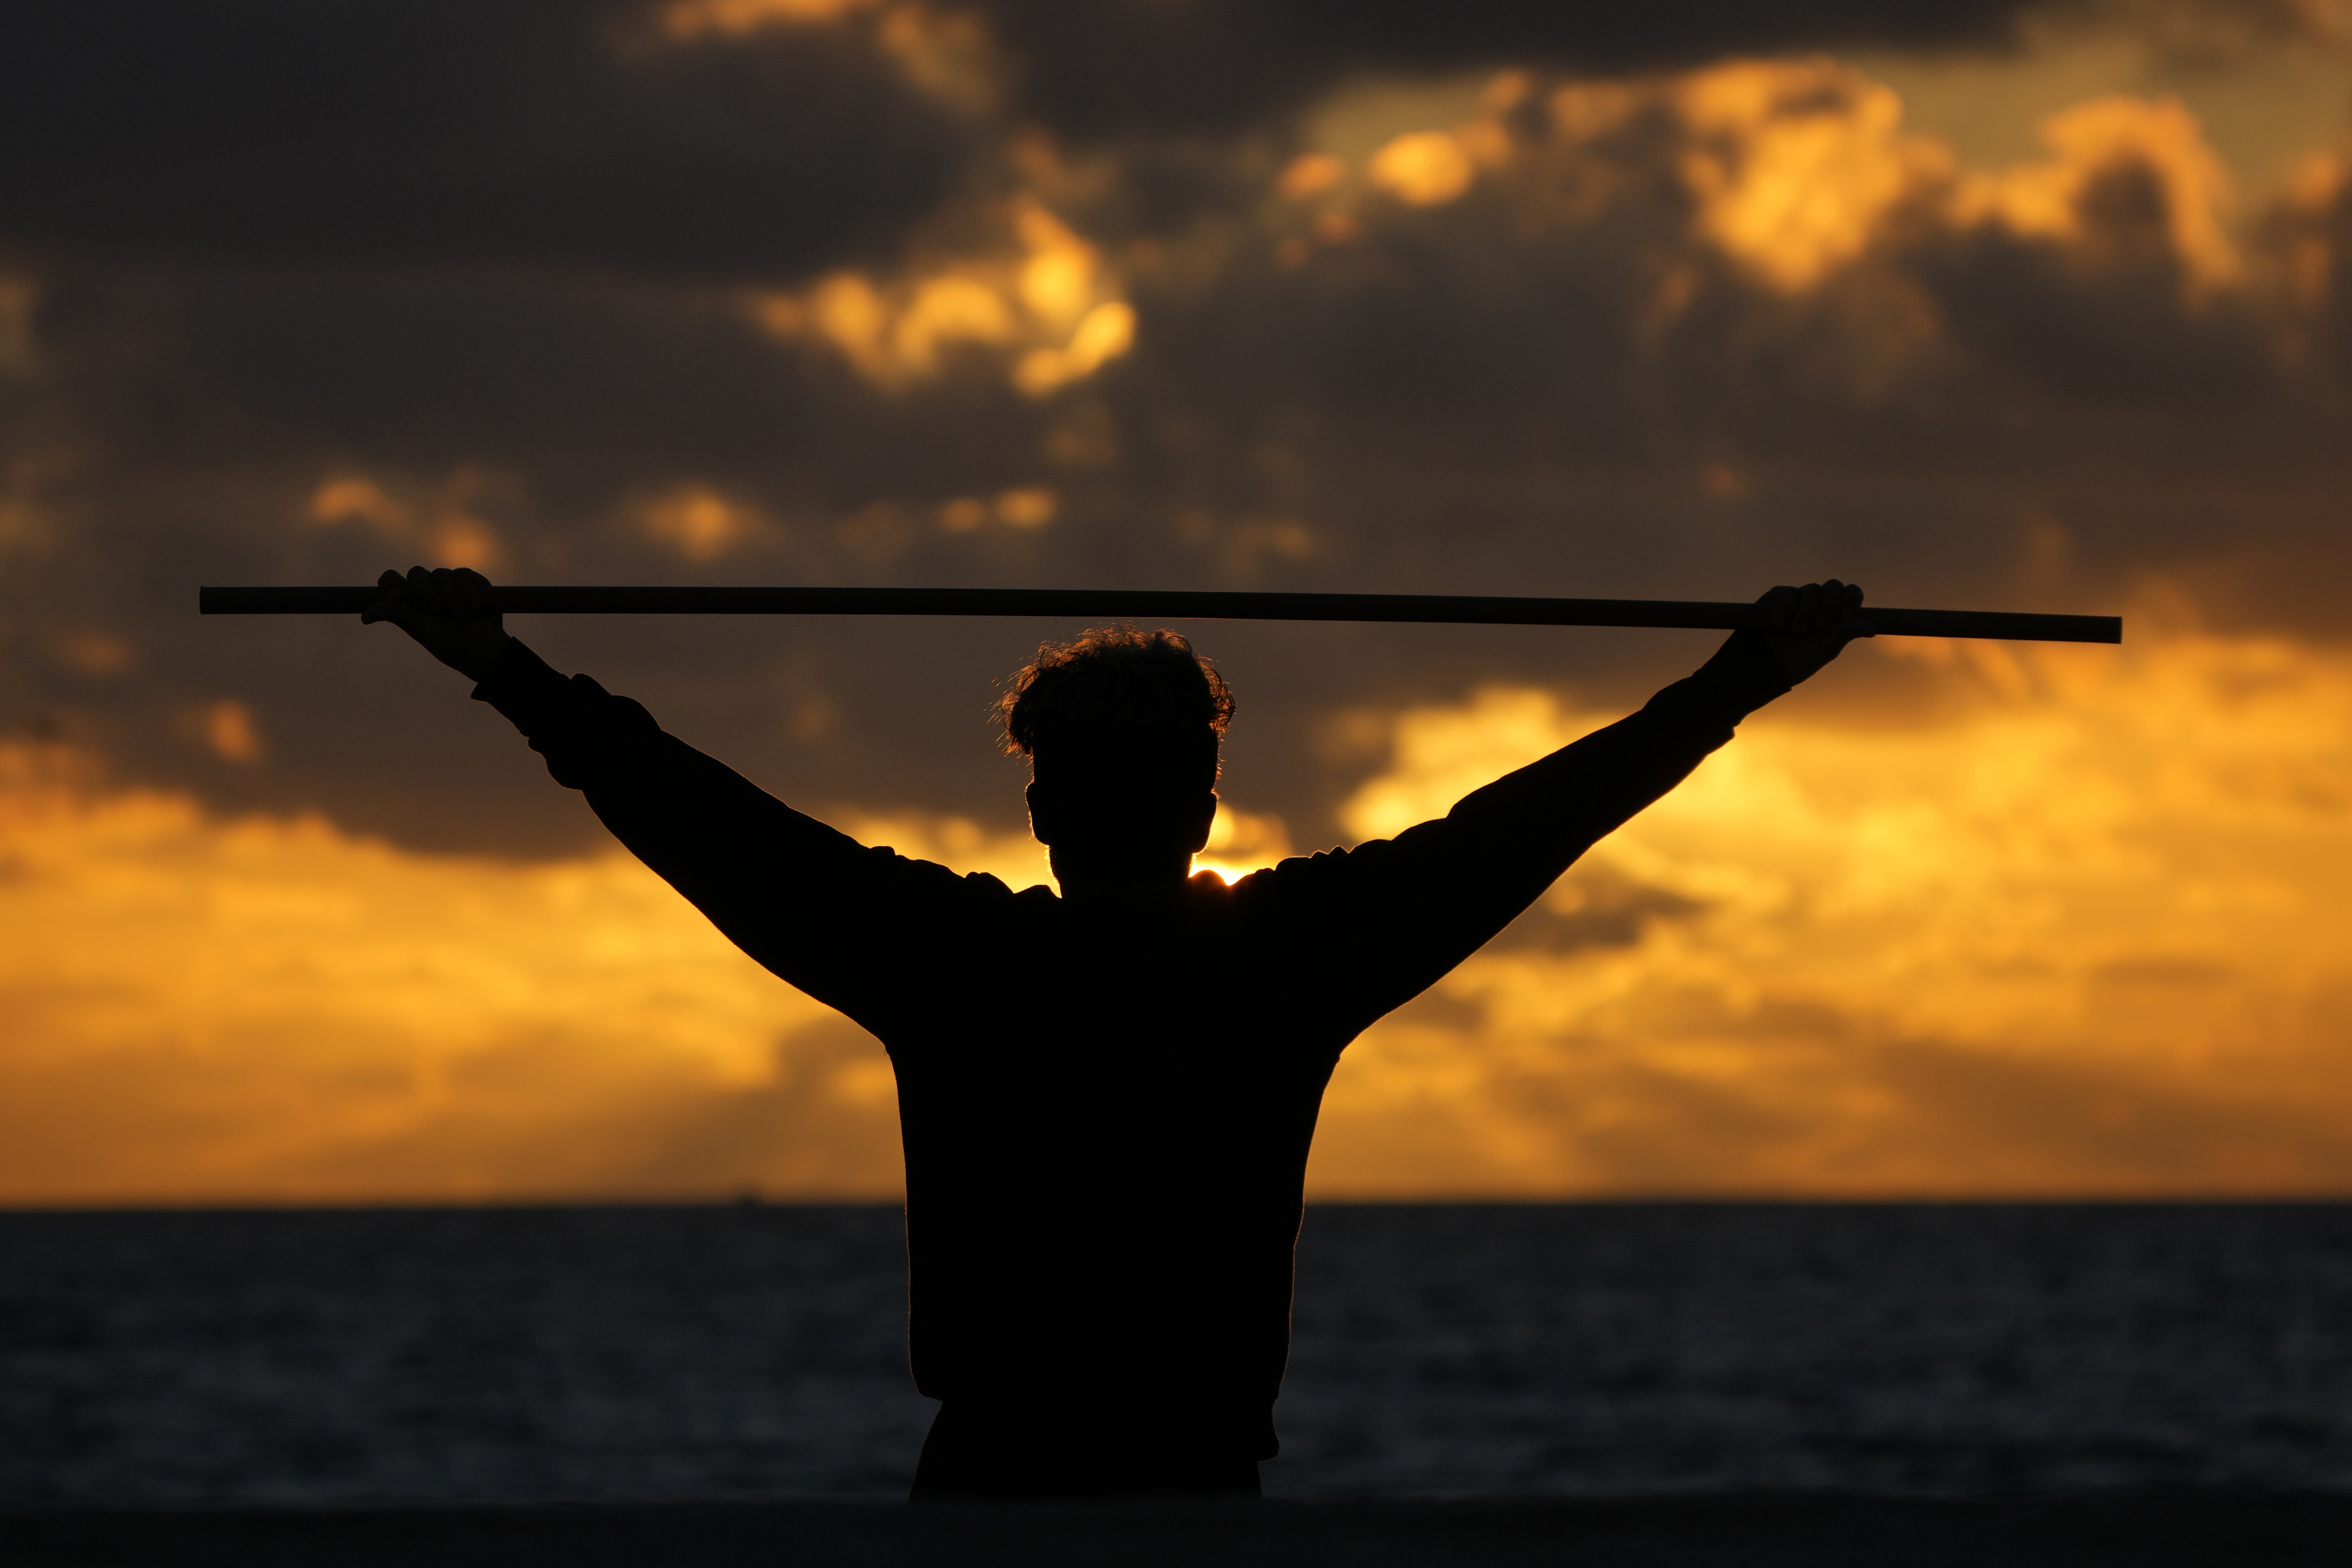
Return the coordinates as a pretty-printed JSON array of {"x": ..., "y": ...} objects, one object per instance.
[
  {"x": 1806, "y": 627},
  {"x": 447, "y": 611}
]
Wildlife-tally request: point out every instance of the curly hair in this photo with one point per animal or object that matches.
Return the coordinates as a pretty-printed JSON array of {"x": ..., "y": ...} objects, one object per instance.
[{"x": 1118, "y": 688}]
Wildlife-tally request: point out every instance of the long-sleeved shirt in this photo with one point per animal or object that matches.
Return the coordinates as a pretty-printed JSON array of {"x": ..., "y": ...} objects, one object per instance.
[{"x": 1107, "y": 1109}]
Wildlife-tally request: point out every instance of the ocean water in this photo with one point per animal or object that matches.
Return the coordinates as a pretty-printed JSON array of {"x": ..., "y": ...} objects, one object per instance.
[{"x": 649, "y": 1354}]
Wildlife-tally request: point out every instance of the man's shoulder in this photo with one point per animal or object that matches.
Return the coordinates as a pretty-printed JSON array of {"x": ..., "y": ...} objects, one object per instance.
[
  {"x": 1296, "y": 874},
  {"x": 1332, "y": 880},
  {"x": 931, "y": 876}
]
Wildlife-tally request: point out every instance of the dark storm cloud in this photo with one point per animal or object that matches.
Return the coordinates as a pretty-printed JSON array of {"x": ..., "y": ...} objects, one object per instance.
[
  {"x": 1550, "y": 381},
  {"x": 1550, "y": 384},
  {"x": 553, "y": 134},
  {"x": 180, "y": 427},
  {"x": 1098, "y": 68},
  {"x": 398, "y": 133}
]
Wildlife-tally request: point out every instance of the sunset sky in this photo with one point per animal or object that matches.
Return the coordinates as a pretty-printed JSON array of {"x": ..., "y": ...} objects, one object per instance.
[{"x": 1982, "y": 304}]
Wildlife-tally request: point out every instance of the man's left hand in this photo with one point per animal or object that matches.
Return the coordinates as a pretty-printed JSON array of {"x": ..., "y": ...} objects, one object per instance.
[{"x": 1806, "y": 627}]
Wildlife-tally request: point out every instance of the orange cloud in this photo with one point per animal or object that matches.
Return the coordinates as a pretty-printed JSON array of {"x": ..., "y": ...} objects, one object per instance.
[
  {"x": 698, "y": 521},
  {"x": 441, "y": 522},
  {"x": 1797, "y": 162},
  {"x": 1046, "y": 304},
  {"x": 1797, "y": 167},
  {"x": 1423, "y": 168},
  {"x": 231, "y": 732},
  {"x": 206, "y": 1008},
  {"x": 2096, "y": 138},
  {"x": 1311, "y": 175},
  {"x": 2089, "y": 939}
]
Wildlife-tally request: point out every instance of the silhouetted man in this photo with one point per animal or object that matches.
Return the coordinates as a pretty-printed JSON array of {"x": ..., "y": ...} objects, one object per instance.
[{"x": 1107, "y": 1096}]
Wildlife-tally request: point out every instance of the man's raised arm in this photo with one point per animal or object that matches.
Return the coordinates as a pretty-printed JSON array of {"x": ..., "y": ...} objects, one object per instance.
[
  {"x": 806, "y": 902},
  {"x": 1562, "y": 805},
  {"x": 1421, "y": 903}
]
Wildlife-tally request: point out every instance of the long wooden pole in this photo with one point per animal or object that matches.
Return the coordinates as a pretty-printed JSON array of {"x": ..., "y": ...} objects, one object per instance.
[{"x": 1154, "y": 604}]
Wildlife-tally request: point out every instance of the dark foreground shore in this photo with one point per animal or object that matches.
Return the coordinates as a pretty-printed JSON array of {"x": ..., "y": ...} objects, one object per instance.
[{"x": 2277, "y": 1531}]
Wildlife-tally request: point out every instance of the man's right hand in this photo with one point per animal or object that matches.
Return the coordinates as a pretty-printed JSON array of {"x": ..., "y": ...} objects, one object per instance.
[
  {"x": 1806, "y": 627},
  {"x": 447, "y": 611}
]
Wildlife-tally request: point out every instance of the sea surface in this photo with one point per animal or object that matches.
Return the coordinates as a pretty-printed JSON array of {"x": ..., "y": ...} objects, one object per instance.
[{"x": 650, "y": 1354}]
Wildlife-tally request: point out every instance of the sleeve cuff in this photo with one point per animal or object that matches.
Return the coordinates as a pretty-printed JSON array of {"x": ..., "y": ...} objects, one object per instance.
[
  {"x": 1741, "y": 677},
  {"x": 524, "y": 687}
]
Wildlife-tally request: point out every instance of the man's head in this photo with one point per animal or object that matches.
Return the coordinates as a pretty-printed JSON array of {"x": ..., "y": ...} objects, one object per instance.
[{"x": 1121, "y": 730}]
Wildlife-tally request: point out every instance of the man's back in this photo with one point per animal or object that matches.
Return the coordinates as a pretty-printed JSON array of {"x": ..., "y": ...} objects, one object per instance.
[
  {"x": 1107, "y": 1099},
  {"x": 1106, "y": 1104},
  {"x": 1107, "y": 1127}
]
